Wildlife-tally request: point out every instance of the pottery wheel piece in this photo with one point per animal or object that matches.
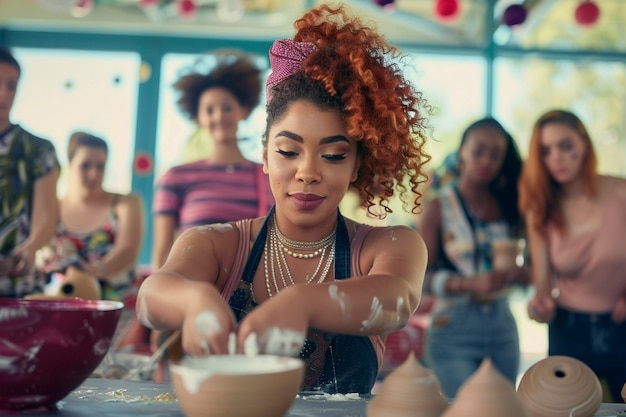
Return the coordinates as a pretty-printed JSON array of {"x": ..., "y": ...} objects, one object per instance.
[
  {"x": 487, "y": 393},
  {"x": 410, "y": 390},
  {"x": 560, "y": 386}
]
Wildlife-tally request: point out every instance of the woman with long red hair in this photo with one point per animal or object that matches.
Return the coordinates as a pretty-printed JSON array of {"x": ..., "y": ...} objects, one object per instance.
[{"x": 576, "y": 223}]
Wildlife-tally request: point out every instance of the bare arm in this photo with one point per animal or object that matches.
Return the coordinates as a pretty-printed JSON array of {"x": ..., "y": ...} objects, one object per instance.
[
  {"x": 541, "y": 307},
  {"x": 430, "y": 227},
  {"x": 164, "y": 228},
  {"x": 123, "y": 256},
  {"x": 188, "y": 286},
  {"x": 619, "y": 311},
  {"x": 43, "y": 218},
  {"x": 538, "y": 252},
  {"x": 379, "y": 302}
]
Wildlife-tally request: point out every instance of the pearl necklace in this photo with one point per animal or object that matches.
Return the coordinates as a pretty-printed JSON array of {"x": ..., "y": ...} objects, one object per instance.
[
  {"x": 274, "y": 259},
  {"x": 287, "y": 245}
]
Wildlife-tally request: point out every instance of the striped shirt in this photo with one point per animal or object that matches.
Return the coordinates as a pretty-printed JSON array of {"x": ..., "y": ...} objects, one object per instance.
[{"x": 200, "y": 193}]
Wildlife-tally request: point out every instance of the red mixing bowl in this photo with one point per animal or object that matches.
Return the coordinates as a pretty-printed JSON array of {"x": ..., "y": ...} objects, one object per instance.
[{"x": 49, "y": 347}]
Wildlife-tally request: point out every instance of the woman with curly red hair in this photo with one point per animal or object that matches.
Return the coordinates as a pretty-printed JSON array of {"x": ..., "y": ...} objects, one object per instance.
[
  {"x": 576, "y": 223},
  {"x": 304, "y": 279}
]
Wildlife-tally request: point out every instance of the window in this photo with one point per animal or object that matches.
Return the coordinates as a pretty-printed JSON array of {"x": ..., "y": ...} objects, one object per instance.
[
  {"x": 61, "y": 91},
  {"x": 526, "y": 87}
]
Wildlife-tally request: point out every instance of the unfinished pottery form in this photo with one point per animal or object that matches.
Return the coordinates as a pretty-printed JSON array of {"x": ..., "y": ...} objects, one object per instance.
[
  {"x": 560, "y": 386},
  {"x": 49, "y": 347},
  {"x": 76, "y": 284},
  {"x": 487, "y": 393},
  {"x": 236, "y": 385},
  {"x": 624, "y": 392},
  {"x": 410, "y": 390}
]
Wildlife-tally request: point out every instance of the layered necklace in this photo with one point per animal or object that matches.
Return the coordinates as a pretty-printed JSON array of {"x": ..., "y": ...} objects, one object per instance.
[{"x": 278, "y": 245}]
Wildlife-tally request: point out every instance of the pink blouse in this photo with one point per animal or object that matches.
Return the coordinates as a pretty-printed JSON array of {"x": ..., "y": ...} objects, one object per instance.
[{"x": 591, "y": 268}]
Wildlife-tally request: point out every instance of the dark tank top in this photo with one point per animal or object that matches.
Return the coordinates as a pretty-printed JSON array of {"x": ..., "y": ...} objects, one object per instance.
[{"x": 334, "y": 363}]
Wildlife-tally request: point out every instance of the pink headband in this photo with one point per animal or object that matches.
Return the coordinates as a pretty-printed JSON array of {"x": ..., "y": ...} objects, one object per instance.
[{"x": 286, "y": 58}]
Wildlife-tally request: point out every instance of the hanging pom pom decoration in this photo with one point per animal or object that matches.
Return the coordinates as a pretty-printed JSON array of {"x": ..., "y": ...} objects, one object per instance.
[
  {"x": 587, "y": 13},
  {"x": 446, "y": 9},
  {"x": 514, "y": 15},
  {"x": 187, "y": 8},
  {"x": 384, "y": 3},
  {"x": 230, "y": 10},
  {"x": 82, "y": 8}
]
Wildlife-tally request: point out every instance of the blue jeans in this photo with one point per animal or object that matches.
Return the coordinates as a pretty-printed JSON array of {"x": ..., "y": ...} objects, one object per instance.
[
  {"x": 461, "y": 336},
  {"x": 595, "y": 340}
]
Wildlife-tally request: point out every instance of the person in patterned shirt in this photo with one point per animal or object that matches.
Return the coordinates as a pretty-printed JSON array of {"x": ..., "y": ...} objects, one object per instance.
[{"x": 29, "y": 170}]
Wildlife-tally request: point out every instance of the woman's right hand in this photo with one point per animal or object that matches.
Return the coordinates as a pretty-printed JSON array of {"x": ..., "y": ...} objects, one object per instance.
[
  {"x": 207, "y": 326},
  {"x": 541, "y": 308},
  {"x": 488, "y": 283}
]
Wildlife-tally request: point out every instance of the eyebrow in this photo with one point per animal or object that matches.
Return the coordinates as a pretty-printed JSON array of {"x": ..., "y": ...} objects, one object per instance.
[{"x": 323, "y": 141}]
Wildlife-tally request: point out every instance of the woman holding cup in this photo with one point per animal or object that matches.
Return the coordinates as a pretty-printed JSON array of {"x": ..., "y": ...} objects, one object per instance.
[{"x": 468, "y": 227}]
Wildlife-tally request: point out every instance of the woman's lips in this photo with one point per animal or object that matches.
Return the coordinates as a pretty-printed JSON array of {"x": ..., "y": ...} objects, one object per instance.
[{"x": 307, "y": 201}]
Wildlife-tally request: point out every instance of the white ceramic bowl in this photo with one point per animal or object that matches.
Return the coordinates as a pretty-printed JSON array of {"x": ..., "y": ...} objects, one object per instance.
[{"x": 237, "y": 385}]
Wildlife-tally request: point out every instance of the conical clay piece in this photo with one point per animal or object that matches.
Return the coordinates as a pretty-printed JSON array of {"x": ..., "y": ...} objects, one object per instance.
[
  {"x": 487, "y": 393},
  {"x": 410, "y": 390},
  {"x": 560, "y": 386},
  {"x": 624, "y": 392}
]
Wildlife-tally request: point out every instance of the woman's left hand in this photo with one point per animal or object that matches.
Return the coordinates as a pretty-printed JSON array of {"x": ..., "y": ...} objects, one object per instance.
[
  {"x": 619, "y": 311},
  {"x": 278, "y": 326}
]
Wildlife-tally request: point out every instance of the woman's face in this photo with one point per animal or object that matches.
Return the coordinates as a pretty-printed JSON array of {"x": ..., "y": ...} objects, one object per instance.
[
  {"x": 311, "y": 161},
  {"x": 220, "y": 113},
  {"x": 482, "y": 154},
  {"x": 87, "y": 166},
  {"x": 562, "y": 151}
]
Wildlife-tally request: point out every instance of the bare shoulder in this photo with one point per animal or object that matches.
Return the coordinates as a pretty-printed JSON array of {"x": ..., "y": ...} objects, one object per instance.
[
  {"x": 613, "y": 185},
  {"x": 204, "y": 253},
  {"x": 397, "y": 239},
  {"x": 216, "y": 232},
  {"x": 130, "y": 200},
  {"x": 200, "y": 244}
]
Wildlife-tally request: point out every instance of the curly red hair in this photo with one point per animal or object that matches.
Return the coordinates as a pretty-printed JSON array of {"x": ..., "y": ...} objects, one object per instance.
[
  {"x": 352, "y": 70},
  {"x": 538, "y": 192}
]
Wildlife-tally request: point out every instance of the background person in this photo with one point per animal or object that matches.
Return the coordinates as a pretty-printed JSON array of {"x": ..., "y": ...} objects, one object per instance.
[
  {"x": 97, "y": 231},
  {"x": 472, "y": 318},
  {"x": 576, "y": 222},
  {"x": 29, "y": 170},
  {"x": 226, "y": 186}
]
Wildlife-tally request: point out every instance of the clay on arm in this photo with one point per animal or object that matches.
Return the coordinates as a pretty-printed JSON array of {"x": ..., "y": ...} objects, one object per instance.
[
  {"x": 123, "y": 256},
  {"x": 43, "y": 217},
  {"x": 164, "y": 228},
  {"x": 393, "y": 261},
  {"x": 188, "y": 277}
]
